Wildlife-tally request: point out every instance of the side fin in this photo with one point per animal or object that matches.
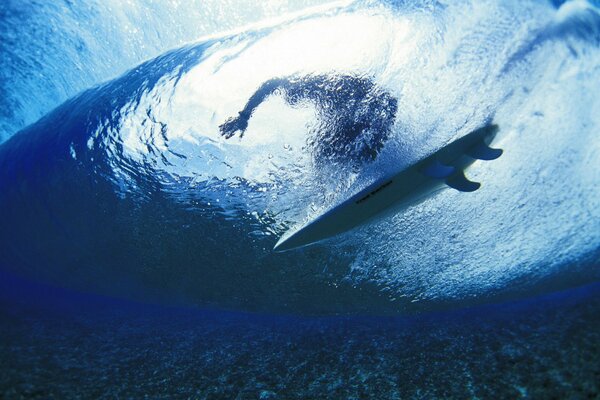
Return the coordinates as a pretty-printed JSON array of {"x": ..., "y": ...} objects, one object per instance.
[
  {"x": 438, "y": 170},
  {"x": 459, "y": 182},
  {"x": 482, "y": 151}
]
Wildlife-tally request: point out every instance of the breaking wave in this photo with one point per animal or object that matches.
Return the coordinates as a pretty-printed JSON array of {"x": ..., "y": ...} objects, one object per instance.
[{"x": 133, "y": 188}]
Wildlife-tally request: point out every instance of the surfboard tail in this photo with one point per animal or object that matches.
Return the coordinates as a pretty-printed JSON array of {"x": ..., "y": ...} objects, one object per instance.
[{"x": 474, "y": 146}]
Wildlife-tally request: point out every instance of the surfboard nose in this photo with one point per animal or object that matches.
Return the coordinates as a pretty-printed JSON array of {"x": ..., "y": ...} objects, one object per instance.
[
  {"x": 287, "y": 243},
  {"x": 301, "y": 237},
  {"x": 281, "y": 246}
]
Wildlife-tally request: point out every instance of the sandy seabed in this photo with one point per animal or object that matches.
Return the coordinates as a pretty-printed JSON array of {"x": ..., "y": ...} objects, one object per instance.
[{"x": 64, "y": 345}]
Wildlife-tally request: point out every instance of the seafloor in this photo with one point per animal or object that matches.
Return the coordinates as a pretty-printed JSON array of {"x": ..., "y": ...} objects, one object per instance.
[{"x": 57, "y": 344}]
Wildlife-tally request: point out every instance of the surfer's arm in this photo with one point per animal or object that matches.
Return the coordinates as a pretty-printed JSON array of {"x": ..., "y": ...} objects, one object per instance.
[{"x": 240, "y": 123}]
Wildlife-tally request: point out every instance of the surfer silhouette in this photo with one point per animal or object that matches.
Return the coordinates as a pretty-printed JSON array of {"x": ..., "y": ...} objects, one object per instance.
[{"x": 355, "y": 116}]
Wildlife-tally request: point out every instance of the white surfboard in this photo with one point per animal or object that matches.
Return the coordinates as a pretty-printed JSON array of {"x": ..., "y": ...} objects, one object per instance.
[{"x": 444, "y": 167}]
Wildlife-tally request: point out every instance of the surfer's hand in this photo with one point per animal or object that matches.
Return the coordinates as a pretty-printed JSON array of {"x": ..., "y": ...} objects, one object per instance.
[{"x": 232, "y": 126}]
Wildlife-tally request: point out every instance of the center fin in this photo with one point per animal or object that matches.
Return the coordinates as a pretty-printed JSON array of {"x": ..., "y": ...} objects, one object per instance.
[{"x": 482, "y": 151}]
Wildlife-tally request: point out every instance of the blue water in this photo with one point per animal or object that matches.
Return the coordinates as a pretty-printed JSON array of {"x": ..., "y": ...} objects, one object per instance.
[{"x": 153, "y": 153}]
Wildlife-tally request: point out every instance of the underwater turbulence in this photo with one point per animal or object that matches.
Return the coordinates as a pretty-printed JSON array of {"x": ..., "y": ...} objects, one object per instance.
[{"x": 173, "y": 182}]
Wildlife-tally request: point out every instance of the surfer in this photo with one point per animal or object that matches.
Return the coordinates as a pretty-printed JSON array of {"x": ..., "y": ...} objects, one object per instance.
[{"x": 355, "y": 115}]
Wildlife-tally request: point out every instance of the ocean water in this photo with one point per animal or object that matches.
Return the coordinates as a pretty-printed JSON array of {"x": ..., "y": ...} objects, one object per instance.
[{"x": 154, "y": 152}]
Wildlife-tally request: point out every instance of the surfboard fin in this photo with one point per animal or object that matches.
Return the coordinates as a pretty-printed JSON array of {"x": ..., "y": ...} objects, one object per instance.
[
  {"x": 438, "y": 170},
  {"x": 482, "y": 151},
  {"x": 460, "y": 182}
]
